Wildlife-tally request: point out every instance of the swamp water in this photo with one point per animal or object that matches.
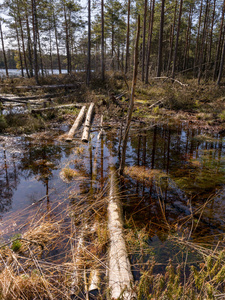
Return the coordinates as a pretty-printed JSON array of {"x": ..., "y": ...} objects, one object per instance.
[{"x": 175, "y": 177}]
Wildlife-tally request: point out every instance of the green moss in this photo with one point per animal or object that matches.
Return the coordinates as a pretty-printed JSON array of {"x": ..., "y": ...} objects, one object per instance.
[{"x": 16, "y": 243}]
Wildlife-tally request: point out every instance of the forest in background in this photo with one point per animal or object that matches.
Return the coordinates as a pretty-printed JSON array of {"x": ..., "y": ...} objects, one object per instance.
[{"x": 183, "y": 37}]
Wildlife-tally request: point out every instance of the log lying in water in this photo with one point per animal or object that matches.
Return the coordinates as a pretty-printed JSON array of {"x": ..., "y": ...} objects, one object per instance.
[
  {"x": 40, "y": 110},
  {"x": 87, "y": 124},
  {"x": 76, "y": 124},
  {"x": 120, "y": 275}
]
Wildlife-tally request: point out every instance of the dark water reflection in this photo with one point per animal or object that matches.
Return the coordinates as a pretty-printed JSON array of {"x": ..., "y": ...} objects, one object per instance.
[{"x": 191, "y": 164}]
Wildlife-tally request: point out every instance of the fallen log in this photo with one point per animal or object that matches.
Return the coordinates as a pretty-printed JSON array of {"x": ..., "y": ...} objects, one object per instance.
[
  {"x": 38, "y": 87},
  {"x": 76, "y": 124},
  {"x": 174, "y": 80},
  {"x": 87, "y": 123},
  {"x": 156, "y": 103},
  {"x": 120, "y": 275},
  {"x": 94, "y": 280},
  {"x": 40, "y": 110},
  {"x": 36, "y": 97},
  {"x": 12, "y": 100},
  {"x": 76, "y": 271}
]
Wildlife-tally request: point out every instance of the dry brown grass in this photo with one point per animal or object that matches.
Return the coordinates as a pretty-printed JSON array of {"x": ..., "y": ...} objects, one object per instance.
[{"x": 141, "y": 173}]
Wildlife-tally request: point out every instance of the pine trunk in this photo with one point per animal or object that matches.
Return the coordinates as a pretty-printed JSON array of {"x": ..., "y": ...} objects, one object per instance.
[
  {"x": 102, "y": 42},
  {"x": 177, "y": 40},
  {"x": 143, "y": 44},
  {"x": 131, "y": 106},
  {"x": 161, "y": 40},
  {"x": 3, "y": 50},
  {"x": 219, "y": 44},
  {"x": 150, "y": 40},
  {"x": 127, "y": 38},
  {"x": 89, "y": 45}
]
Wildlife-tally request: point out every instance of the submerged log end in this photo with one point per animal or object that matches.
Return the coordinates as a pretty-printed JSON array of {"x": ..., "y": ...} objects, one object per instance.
[
  {"x": 68, "y": 139},
  {"x": 84, "y": 140}
]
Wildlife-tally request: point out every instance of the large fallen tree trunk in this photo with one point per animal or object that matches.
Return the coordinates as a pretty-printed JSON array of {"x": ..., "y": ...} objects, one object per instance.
[
  {"x": 76, "y": 124},
  {"x": 120, "y": 275},
  {"x": 40, "y": 110},
  {"x": 38, "y": 87},
  {"x": 87, "y": 124},
  {"x": 36, "y": 97}
]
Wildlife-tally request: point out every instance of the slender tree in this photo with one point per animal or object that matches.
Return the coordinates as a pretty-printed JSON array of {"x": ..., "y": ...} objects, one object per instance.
[
  {"x": 3, "y": 50},
  {"x": 128, "y": 37},
  {"x": 203, "y": 44},
  {"x": 143, "y": 43},
  {"x": 102, "y": 42},
  {"x": 89, "y": 45},
  {"x": 219, "y": 43},
  {"x": 35, "y": 28},
  {"x": 172, "y": 38},
  {"x": 151, "y": 21},
  {"x": 160, "y": 48},
  {"x": 221, "y": 63},
  {"x": 196, "y": 57},
  {"x": 177, "y": 39},
  {"x": 131, "y": 106}
]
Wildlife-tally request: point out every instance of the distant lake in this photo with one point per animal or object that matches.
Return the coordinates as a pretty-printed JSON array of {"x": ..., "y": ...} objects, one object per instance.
[{"x": 17, "y": 73}]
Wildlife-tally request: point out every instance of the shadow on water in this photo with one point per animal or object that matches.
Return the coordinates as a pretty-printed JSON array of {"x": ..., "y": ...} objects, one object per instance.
[{"x": 172, "y": 171}]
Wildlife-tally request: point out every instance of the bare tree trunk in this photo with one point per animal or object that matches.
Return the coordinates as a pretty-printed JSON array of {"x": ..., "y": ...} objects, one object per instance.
[
  {"x": 197, "y": 40},
  {"x": 34, "y": 16},
  {"x": 143, "y": 43},
  {"x": 40, "y": 52},
  {"x": 151, "y": 21},
  {"x": 161, "y": 39},
  {"x": 50, "y": 48},
  {"x": 172, "y": 38},
  {"x": 187, "y": 37},
  {"x": 221, "y": 64},
  {"x": 219, "y": 44},
  {"x": 102, "y": 42},
  {"x": 131, "y": 106},
  {"x": 89, "y": 45},
  {"x": 67, "y": 40},
  {"x": 211, "y": 32},
  {"x": 23, "y": 46},
  {"x": 56, "y": 42},
  {"x": 29, "y": 45},
  {"x": 128, "y": 38},
  {"x": 112, "y": 53},
  {"x": 203, "y": 42},
  {"x": 177, "y": 40},
  {"x": 20, "y": 55},
  {"x": 3, "y": 50}
]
